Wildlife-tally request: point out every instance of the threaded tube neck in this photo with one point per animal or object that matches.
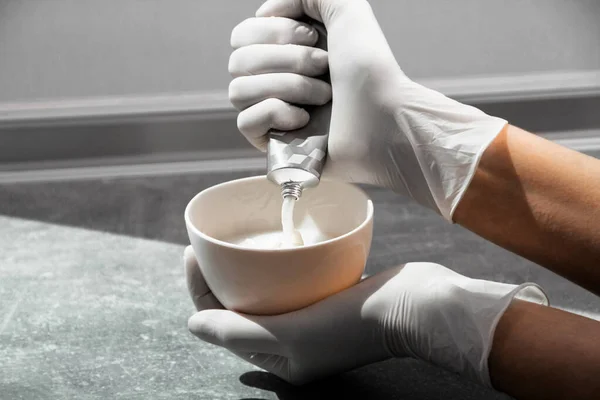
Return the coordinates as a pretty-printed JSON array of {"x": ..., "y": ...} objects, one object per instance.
[{"x": 291, "y": 189}]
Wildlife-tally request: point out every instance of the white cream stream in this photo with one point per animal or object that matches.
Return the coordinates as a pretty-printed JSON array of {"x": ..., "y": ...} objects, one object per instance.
[{"x": 291, "y": 237}]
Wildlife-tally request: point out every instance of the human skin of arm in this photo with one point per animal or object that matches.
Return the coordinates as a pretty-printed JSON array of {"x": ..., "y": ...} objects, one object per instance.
[
  {"x": 539, "y": 200},
  {"x": 540, "y": 352}
]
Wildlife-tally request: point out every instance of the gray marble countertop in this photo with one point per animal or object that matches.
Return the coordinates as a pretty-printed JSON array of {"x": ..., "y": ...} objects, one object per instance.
[{"x": 93, "y": 302}]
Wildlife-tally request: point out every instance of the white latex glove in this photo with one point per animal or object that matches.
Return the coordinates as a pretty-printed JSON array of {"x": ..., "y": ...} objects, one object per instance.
[
  {"x": 420, "y": 310},
  {"x": 385, "y": 129}
]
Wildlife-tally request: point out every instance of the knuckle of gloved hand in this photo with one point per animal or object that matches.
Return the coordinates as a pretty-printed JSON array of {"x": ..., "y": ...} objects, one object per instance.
[
  {"x": 240, "y": 31},
  {"x": 317, "y": 92},
  {"x": 226, "y": 332},
  {"x": 432, "y": 267},
  {"x": 301, "y": 34},
  {"x": 426, "y": 282},
  {"x": 327, "y": 94},
  {"x": 245, "y": 61},
  {"x": 309, "y": 90},
  {"x": 438, "y": 295},
  {"x": 422, "y": 271},
  {"x": 449, "y": 294},
  {"x": 273, "y": 108},
  {"x": 304, "y": 88},
  {"x": 244, "y": 125},
  {"x": 188, "y": 255},
  {"x": 319, "y": 59},
  {"x": 261, "y": 142},
  {"x": 235, "y": 63},
  {"x": 301, "y": 56},
  {"x": 227, "y": 340},
  {"x": 291, "y": 118},
  {"x": 236, "y": 93},
  {"x": 202, "y": 326}
]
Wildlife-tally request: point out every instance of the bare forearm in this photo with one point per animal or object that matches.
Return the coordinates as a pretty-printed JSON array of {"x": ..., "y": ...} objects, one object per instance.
[
  {"x": 543, "y": 353},
  {"x": 539, "y": 200}
]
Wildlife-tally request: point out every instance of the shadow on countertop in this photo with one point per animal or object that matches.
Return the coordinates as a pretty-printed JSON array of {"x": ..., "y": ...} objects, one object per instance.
[
  {"x": 390, "y": 380},
  {"x": 146, "y": 207}
]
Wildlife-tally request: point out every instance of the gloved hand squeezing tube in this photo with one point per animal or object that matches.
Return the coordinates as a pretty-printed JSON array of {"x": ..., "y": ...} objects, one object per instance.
[{"x": 385, "y": 130}]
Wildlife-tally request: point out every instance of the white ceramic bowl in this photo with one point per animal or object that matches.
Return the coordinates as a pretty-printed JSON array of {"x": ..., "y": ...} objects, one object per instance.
[{"x": 256, "y": 281}]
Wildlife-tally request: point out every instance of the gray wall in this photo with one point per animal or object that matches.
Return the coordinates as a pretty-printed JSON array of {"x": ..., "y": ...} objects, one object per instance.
[{"x": 86, "y": 48}]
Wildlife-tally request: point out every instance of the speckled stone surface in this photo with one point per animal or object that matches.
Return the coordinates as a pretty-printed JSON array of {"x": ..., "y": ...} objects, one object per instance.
[
  {"x": 92, "y": 315},
  {"x": 93, "y": 303}
]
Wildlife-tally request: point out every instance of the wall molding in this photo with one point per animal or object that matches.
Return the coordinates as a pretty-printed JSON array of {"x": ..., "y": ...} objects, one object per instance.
[
  {"x": 215, "y": 104},
  {"x": 204, "y": 105},
  {"x": 52, "y": 173},
  {"x": 530, "y": 86},
  {"x": 200, "y": 128},
  {"x": 584, "y": 141}
]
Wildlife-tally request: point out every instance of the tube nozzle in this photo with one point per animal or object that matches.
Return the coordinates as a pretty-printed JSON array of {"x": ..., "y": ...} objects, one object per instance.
[{"x": 291, "y": 189}]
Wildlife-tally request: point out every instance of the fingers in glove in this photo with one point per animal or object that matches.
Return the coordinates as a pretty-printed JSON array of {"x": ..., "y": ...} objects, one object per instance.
[
  {"x": 256, "y": 121},
  {"x": 292, "y": 88},
  {"x": 235, "y": 332},
  {"x": 269, "y": 58},
  {"x": 199, "y": 291},
  {"x": 273, "y": 31}
]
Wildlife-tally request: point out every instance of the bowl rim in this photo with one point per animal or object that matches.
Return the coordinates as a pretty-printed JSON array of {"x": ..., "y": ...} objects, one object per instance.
[{"x": 190, "y": 226}]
